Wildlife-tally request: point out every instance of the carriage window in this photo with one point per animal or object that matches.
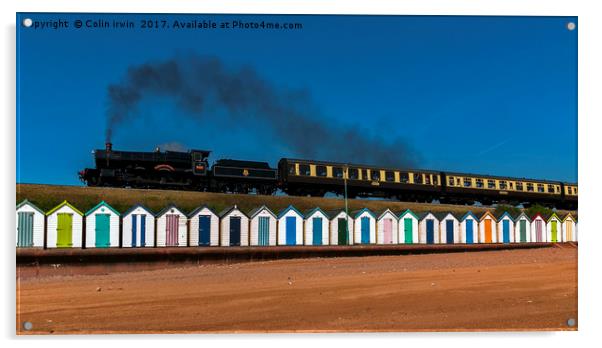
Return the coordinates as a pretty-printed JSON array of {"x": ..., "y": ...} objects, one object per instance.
[
  {"x": 292, "y": 169},
  {"x": 540, "y": 188},
  {"x": 321, "y": 170},
  {"x": 511, "y": 185},
  {"x": 427, "y": 179},
  {"x": 519, "y": 186},
  {"x": 403, "y": 177},
  {"x": 551, "y": 189},
  {"x": 375, "y": 175},
  {"x": 479, "y": 183},
  {"x": 575, "y": 190},
  {"x": 467, "y": 182},
  {"x": 503, "y": 185},
  {"x": 529, "y": 187},
  {"x": 389, "y": 176},
  {"x": 569, "y": 190},
  {"x": 490, "y": 184},
  {"x": 337, "y": 172},
  {"x": 451, "y": 181},
  {"x": 304, "y": 169},
  {"x": 417, "y": 178},
  {"x": 353, "y": 173},
  {"x": 364, "y": 174},
  {"x": 436, "y": 179},
  {"x": 458, "y": 182}
]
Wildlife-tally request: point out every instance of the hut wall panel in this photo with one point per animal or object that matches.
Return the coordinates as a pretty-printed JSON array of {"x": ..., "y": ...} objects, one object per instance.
[
  {"x": 91, "y": 228},
  {"x": 380, "y": 229},
  {"x": 482, "y": 224},
  {"x": 51, "y": 225},
  {"x": 357, "y": 223},
  {"x": 422, "y": 229},
  {"x": 443, "y": 229},
  {"x": 334, "y": 229},
  {"x": 500, "y": 229},
  {"x": 309, "y": 228},
  {"x": 298, "y": 228},
  {"x": 225, "y": 228},
  {"x": 126, "y": 224},
  {"x": 401, "y": 227},
  {"x": 38, "y": 225},
  {"x": 254, "y": 228},
  {"x": 517, "y": 225},
  {"x": 213, "y": 225}
]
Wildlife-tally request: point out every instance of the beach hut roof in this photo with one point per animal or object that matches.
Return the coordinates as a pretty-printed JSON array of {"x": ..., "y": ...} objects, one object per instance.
[
  {"x": 229, "y": 209},
  {"x": 102, "y": 204},
  {"x": 423, "y": 215},
  {"x": 310, "y": 212},
  {"x": 540, "y": 215},
  {"x": 287, "y": 209},
  {"x": 552, "y": 216},
  {"x": 64, "y": 203},
  {"x": 199, "y": 208},
  {"x": 258, "y": 210},
  {"x": 25, "y": 201},
  {"x": 522, "y": 214},
  {"x": 469, "y": 214},
  {"x": 567, "y": 215},
  {"x": 136, "y": 206},
  {"x": 408, "y": 211},
  {"x": 166, "y": 209},
  {"x": 487, "y": 213},
  {"x": 333, "y": 213},
  {"x": 504, "y": 214},
  {"x": 357, "y": 213},
  {"x": 384, "y": 212}
]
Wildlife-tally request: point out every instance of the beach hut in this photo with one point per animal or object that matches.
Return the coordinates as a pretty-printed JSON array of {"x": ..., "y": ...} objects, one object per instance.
[
  {"x": 263, "y": 226},
  {"x": 538, "y": 228},
  {"x": 234, "y": 227},
  {"x": 204, "y": 227},
  {"x": 341, "y": 228},
  {"x": 487, "y": 228},
  {"x": 408, "y": 227},
  {"x": 316, "y": 228},
  {"x": 172, "y": 227},
  {"x": 522, "y": 228},
  {"x": 568, "y": 228},
  {"x": 449, "y": 229},
  {"x": 138, "y": 227},
  {"x": 102, "y": 226},
  {"x": 553, "y": 229},
  {"x": 364, "y": 222},
  {"x": 30, "y": 225},
  {"x": 428, "y": 228},
  {"x": 290, "y": 227},
  {"x": 469, "y": 228},
  {"x": 64, "y": 226},
  {"x": 387, "y": 229},
  {"x": 505, "y": 228}
]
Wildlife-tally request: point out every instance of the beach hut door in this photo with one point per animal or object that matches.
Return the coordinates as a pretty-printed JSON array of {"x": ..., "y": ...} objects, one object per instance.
[
  {"x": 172, "y": 229},
  {"x": 569, "y": 231},
  {"x": 506, "y": 230},
  {"x": 291, "y": 227},
  {"x": 488, "y": 231},
  {"x": 388, "y": 231},
  {"x": 554, "y": 231},
  {"x": 64, "y": 230},
  {"x": 430, "y": 231},
  {"x": 317, "y": 231},
  {"x": 135, "y": 231},
  {"x": 449, "y": 230},
  {"x": 469, "y": 231},
  {"x": 235, "y": 230},
  {"x": 365, "y": 221},
  {"x": 25, "y": 229},
  {"x": 342, "y": 232},
  {"x": 407, "y": 230},
  {"x": 264, "y": 230},
  {"x": 102, "y": 230},
  {"x": 204, "y": 230},
  {"x": 523, "y": 230},
  {"x": 538, "y": 231}
]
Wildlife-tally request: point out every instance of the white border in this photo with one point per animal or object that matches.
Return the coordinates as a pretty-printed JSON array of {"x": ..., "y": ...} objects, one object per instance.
[{"x": 590, "y": 112}]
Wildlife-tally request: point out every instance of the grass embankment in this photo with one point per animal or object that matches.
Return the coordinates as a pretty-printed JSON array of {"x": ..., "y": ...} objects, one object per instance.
[{"x": 47, "y": 197}]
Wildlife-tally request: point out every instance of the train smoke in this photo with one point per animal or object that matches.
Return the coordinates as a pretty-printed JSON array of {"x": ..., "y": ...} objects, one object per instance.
[{"x": 199, "y": 84}]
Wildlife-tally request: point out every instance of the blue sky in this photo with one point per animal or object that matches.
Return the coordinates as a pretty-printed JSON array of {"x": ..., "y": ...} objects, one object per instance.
[{"x": 489, "y": 95}]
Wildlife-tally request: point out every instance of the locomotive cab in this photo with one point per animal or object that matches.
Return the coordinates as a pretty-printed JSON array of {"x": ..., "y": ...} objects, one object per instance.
[{"x": 199, "y": 161}]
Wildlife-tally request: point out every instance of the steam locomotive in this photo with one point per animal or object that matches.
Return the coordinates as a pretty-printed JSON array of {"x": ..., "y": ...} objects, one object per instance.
[{"x": 191, "y": 171}]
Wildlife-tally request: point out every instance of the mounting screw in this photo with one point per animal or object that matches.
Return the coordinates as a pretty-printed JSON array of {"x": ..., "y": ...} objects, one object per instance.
[
  {"x": 27, "y": 325},
  {"x": 571, "y": 322},
  {"x": 571, "y": 26}
]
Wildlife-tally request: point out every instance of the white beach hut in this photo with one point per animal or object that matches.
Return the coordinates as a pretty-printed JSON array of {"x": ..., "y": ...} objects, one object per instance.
[
  {"x": 64, "y": 227},
  {"x": 30, "y": 223},
  {"x": 264, "y": 225},
  {"x": 172, "y": 227},
  {"x": 316, "y": 230},
  {"x": 102, "y": 226},
  {"x": 408, "y": 227},
  {"x": 138, "y": 227},
  {"x": 428, "y": 229},
  {"x": 364, "y": 226},
  {"x": 234, "y": 227},
  {"x": 290, "y": 227},
  {"x": 387, "y": 229},
  {"x": 203, "y": 227},
  {"x": 341, "y": 228}
]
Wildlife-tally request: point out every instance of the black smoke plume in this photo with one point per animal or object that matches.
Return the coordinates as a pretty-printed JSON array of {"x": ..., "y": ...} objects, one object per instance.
[{"x": 199, "y": 84}]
